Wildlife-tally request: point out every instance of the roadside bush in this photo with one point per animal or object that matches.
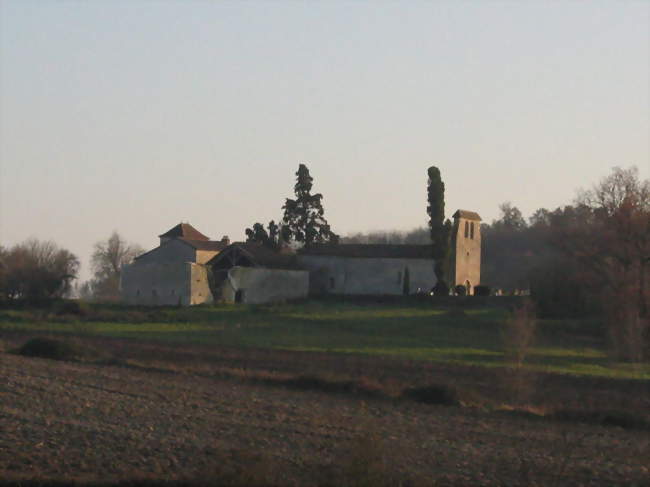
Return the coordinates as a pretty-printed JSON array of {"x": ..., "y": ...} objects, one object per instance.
[
  {"x": 52, "y": 349},
  {"x": 441, "y": 289},
  {"x": 433, "y": 394},
  {"x": 482, "y": 290}
]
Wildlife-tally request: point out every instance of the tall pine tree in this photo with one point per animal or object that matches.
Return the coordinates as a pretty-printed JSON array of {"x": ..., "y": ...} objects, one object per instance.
[
  {"x": 440, "y": 229},
  {"x": 304, "y": 219}
]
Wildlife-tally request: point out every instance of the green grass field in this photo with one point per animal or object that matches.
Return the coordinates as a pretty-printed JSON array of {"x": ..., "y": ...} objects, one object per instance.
[{"x": 412, "y": 330}]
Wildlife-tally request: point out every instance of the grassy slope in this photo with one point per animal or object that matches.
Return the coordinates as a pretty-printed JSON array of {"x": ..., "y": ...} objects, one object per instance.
[{"x": 409, "y": 329}]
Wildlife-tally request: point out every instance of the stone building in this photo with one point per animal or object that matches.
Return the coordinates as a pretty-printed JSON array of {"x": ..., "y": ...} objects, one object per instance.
[
  {"x": 252, "y": 273},
  {"x": 174, "y": 272},
  {"x": 369, "y": 269},
  {"x": 466, "y": 250},
  {"x": 188, "y": 268}
]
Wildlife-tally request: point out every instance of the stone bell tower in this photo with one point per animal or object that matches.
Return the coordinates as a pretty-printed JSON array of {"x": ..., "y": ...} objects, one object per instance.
[{"x": 466, "y": 250}]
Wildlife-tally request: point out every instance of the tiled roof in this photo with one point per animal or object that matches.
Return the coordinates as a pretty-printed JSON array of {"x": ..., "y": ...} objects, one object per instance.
[
  {"x": 214, "y": 245},
  {"x": 184, "y": 230},
  {"x": 468, "y": 215},
  {"x": 376, "y": 251}
]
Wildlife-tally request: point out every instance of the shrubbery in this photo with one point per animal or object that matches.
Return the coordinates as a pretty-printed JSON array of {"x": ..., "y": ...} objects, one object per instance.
[
  {"x": 482, "y": 290},
  {"x": 441, "y": 289}
]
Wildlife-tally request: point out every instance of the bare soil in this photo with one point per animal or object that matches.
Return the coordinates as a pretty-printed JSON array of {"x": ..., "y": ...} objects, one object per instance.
[{"x": 160, "y": 412}]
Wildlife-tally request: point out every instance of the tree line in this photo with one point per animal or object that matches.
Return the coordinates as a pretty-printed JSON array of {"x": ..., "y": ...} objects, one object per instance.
[
  {"x": 586, "y": 258},
  {"x": 578, "y": 257},
  {"x": 38, "y": 271}
]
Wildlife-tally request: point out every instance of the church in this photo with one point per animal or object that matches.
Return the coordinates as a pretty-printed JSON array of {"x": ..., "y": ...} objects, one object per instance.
[{"x": 189, "y": 268}]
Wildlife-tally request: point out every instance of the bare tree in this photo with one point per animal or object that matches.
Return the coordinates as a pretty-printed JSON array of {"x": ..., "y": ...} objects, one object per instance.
[
  {"x": 611, "y": 240},
  {"x": 37, "y": 270},
  {"x": 107, "y": 260}
]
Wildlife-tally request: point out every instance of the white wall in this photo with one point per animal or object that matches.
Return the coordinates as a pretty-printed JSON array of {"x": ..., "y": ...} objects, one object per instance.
[
  {"x": 370, "y": 276},
  {"x": 165, "y": 284},
  {"x": 262, "y": 285},
  {"x": 156, "y": 283}
]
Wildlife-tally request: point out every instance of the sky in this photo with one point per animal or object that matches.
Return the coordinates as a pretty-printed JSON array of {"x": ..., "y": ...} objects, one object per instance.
[{"x": 137, "y": 115}]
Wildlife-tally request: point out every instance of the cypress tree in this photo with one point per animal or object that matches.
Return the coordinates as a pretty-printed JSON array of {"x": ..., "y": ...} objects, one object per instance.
[{"x": 439, "y": 228}]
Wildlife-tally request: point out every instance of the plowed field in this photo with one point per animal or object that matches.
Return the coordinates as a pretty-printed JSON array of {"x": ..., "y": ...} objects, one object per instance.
[{"x": 122, "y": 419}]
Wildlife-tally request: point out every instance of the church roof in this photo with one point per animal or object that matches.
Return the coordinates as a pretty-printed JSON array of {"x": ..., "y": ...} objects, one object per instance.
[
  {"x": 184, "y": 230},
  {"x": 467, "y": 215},
  {"x": 377, "y": 251}
]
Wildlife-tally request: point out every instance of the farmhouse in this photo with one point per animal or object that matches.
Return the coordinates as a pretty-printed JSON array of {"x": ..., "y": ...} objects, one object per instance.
[
  {"x": 188, "y": 268},
  {"x": 174, "y": 272}
]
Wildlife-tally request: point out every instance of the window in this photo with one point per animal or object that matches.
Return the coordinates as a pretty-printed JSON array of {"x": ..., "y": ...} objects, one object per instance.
[
  {"x": 466, "y": 229},
  {"x": 471, "y": 231},
  {"x": 332, "y": 282}
]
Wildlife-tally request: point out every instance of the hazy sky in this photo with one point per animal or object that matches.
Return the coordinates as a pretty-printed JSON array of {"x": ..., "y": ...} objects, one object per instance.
[{"x": 135, "y": 115}]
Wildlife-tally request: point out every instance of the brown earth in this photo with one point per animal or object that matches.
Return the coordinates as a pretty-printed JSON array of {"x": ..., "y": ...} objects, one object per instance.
[{"x": 151, "y": 411}]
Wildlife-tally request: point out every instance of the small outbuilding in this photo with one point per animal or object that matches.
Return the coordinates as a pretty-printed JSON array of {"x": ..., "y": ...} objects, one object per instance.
[{"x": 255, "y": 274}]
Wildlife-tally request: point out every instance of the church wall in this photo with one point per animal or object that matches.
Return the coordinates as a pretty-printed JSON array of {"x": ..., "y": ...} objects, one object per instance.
[
  {"x": 367, "y": 276},
  {"x": 261, "y": 285}
]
